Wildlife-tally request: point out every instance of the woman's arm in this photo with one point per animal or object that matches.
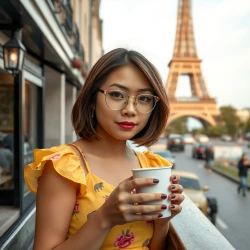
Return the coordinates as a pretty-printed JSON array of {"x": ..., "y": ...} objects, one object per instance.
[
  {"x": 158, "y": 240},
  {"x": 55, "y": 202}
]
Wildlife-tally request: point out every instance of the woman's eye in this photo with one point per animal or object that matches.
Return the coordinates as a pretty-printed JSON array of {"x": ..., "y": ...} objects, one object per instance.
[
  {"x": 116, "y": 94},
  {"x": 145, "y": 98}
]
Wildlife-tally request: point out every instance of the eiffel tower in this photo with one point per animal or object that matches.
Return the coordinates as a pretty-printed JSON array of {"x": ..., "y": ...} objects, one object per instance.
[{"x": 185, "y": 61}]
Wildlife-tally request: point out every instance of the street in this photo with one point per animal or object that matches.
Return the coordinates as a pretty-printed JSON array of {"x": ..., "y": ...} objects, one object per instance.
[{"x": 233, "y": 215}]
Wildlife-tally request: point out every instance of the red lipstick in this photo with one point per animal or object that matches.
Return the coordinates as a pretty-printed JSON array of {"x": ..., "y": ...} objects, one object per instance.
[{"x": 126, "y": 125}]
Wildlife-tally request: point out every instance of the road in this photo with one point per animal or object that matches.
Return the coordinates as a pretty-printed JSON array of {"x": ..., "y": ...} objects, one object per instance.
[{"x": 234, "y": 210}]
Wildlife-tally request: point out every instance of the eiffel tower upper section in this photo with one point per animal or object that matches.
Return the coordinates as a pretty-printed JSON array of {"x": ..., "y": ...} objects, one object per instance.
[
  {"x": 185, "y": 61},
  {"x": 184, "y": 42}
]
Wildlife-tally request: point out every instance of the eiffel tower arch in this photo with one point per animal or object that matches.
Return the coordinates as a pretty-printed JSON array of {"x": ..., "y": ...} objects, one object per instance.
[{"x": 185, "y": 61}]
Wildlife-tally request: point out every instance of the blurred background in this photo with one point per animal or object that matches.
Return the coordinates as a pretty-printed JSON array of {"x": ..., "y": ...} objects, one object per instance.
[{"x": 202, "y": 51}]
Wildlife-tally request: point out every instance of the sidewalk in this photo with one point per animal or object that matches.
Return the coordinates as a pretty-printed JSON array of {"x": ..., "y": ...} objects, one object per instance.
[{"x": 235, "y": 179}]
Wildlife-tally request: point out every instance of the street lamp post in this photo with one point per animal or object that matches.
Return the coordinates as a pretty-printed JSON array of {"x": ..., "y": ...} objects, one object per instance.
[{"x": 13, "y": 53}]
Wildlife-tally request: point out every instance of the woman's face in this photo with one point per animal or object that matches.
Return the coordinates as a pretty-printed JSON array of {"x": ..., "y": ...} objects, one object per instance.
[{"x": 125, "y": 123}]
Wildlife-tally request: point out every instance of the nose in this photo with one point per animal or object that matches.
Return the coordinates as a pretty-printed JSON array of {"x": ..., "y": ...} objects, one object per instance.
[{"x": 129, "y": 108}]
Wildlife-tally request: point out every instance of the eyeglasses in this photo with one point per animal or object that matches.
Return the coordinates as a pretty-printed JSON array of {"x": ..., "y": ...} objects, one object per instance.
[{"x": 117, "y": 100}]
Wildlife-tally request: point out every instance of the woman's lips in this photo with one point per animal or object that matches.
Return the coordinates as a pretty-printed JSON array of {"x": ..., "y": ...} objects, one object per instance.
[{"x": 126, "y": 125}]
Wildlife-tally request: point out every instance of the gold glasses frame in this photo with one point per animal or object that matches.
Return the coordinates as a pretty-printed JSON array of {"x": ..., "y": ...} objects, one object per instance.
[{"x": 105, "y": 92}]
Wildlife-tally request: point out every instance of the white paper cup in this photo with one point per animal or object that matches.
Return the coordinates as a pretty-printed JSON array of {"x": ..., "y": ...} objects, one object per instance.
[{"x": 163, "y": 175}]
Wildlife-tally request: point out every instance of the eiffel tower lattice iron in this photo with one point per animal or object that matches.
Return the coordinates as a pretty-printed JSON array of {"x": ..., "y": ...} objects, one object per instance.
[{"x": 185, "y": 61}]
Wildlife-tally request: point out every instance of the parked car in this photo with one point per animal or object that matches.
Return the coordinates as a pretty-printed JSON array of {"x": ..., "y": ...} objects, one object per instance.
[
  {"x": 247, "y": 136},
  {"x": 192, "y": 188},
  {"x": 203, "y": 138},
  {"x": 188, "y": 139},
  {"x": 175, "y": 141},
  {"x": 167, "y": 155},
  {"x": 136, "y": 147},
  {"x": 226, "y": 138},
  {"x": 198, "y": 150}
]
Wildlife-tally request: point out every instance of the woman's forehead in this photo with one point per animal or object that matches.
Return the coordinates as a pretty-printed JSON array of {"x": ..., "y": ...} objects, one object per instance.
[{"x": 127, "y": 77}]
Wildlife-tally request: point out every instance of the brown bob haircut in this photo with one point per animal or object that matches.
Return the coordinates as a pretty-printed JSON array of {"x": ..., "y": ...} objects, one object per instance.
[{"x": 83, "y": 122}]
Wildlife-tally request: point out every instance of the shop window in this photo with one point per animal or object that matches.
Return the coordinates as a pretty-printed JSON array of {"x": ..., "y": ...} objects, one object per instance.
[
  {"x": 30, "y": 125},
  {"x": 8, "y": 212},
  {"x": 6, "y": 131}
]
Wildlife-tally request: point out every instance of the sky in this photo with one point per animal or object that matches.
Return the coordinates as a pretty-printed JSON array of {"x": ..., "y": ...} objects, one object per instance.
[{"x": 222, "y": 34}]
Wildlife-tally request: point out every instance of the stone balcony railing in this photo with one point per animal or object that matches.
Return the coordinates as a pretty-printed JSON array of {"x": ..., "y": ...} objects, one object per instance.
[{"x": 192, "y": 230}]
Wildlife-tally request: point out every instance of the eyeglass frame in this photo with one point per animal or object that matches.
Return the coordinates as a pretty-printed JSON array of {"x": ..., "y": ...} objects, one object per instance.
[{"x": 126, "y": 103}]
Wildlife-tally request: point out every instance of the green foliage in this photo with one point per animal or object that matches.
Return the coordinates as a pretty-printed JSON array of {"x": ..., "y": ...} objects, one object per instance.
[
  {"x": 227, "y": 123},
  {"x": 178, "y": 126},
  {"x": 230, "y": 119},
  {"x": 247, "y": 126}
]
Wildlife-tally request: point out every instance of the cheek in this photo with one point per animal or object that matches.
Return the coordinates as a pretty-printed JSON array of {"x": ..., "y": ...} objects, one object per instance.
[{"x": 144, "y": 120}]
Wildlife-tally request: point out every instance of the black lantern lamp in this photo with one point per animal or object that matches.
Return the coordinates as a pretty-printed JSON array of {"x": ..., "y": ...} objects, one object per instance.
[{"x": 13, "y": 53}]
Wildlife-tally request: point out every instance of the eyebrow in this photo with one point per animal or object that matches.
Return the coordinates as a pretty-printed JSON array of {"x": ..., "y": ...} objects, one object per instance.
[{"x": 125, "y": 88}]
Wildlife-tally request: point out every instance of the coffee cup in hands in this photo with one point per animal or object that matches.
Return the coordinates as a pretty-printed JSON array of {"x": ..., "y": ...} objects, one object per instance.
[{"x": 163, "y": 175}]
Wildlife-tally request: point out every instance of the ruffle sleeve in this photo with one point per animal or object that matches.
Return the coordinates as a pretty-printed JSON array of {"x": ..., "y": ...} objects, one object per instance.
[
  {"x": 149, "y": 159},
  {"x": 65, "y": 162}
]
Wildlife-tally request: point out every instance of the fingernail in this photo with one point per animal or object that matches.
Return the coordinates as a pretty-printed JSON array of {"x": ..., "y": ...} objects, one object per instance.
[
  {"x": 172, "y": 206},
  {"x": 163, "y": 207},
  {"x": 155, "y": 181},
  {"x": 174, "y": 176},
  {"x": 172, "y": 196},
  {"x": 160, "y": 215},
  {"x": 173, "y": 186},
  {"x": 163, "y": 196}
]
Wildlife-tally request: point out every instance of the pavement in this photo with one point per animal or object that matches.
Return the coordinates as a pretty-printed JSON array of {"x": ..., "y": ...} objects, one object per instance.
[{"x": 235, "y": 179}]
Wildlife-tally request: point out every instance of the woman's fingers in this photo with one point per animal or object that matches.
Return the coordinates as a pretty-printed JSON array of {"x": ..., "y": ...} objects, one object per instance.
[
  {"x": 145, "y": 197},
  {"x": 142, "y": 209},
  {"x": 176, "y": 188},
  {"x": 133, "y": 183},
  {"x": 176, "y": 198},
  {"x": 175, "y": 209},
  {"x": 175, "y": 179}
]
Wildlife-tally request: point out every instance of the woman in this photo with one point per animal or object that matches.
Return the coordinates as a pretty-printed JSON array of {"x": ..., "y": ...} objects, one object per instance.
[
  {"x": 86, "y": 196},
  {"x": 243, "y": 166}
]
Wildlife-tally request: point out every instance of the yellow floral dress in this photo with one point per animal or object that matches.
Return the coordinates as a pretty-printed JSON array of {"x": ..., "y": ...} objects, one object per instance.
[{"x": 93, "y": 193}]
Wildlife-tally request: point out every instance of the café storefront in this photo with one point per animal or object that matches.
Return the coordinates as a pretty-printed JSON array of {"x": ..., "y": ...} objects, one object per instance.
[{"x": 45, "y": 88}]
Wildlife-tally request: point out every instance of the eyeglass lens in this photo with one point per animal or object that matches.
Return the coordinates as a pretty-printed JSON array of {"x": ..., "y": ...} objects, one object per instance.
[{"x": 117, "y": 100}]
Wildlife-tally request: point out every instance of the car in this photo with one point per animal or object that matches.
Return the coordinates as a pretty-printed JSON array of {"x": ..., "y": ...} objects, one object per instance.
[
  {"x": 167, "y": 155},
  {"x": 203, "y": 138},
  {"x": 136, "y": 147},
  {"x": 193, "y": 189},
  {"x": 175, "y": 141},
  {"x": 198, "y": 150},
  {"x": 188, "y": 139},
  {"x": 247, "y": 136},
  {"x": 226, "y": 138}
]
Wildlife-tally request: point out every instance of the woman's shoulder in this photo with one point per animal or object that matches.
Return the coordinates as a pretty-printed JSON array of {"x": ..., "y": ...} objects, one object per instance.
[
  {"x": 63, "y": 159},
  {"x": 148, "y": 159}
]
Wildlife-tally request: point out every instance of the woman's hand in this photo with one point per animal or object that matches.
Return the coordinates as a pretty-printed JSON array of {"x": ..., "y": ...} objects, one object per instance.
[
  {"x": 124, "y": 206},
  {"x": 176, "y": 196}
]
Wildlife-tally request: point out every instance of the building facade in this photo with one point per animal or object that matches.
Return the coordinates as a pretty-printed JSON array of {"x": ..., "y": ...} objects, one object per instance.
[{"x": 63, "y": 39}]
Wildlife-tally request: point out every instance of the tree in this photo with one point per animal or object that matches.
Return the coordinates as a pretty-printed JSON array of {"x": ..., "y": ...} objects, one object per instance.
[
  {"x": 178, "y": 126},
  {"x": 247, "y": 126},
  {"x": 230, "y": 119}
]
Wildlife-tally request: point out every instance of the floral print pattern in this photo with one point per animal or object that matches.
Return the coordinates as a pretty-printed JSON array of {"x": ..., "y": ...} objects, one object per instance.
[
  {"x": 125, "y": 239},
  {"x": 149, "y": 223},
  {"x": 145, "y": 243},
  {"x": 105, "y": 197},
  {"x": 55, "y": 157},
  {"x": 37, "y": 180},
  {"x": 76, "y": 209}
]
